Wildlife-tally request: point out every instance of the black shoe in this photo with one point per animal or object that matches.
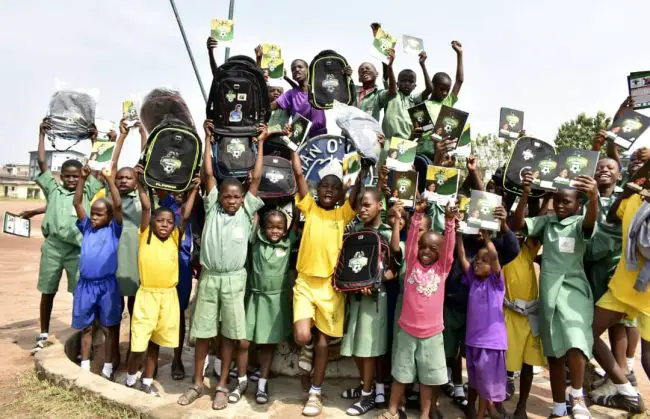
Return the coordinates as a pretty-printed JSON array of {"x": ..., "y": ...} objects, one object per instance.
[
  {"x": 510, "y": 388},
  {"x": 363, "y": 406},
  {"x": 630, "y": 404},
  {"x": 151, "y": 390}
]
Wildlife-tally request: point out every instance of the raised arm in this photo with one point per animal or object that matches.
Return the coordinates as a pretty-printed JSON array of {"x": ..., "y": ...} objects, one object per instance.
[
  {"x": 460, "y": 253},
  {"x": 212, "y": 44},
  {"x": 208, "y": 177},
  {"x": 189, "y": 205},
  {"x": 396, "y": 211},
  {"x": 589, "y": 187},
  {"x": 256, "y": 177},
  {"x": 109, "y": 175},
  {"x": 258, "y": 56},
  {"x": 447, "y": 256},
  {"x": 519, "y": 218},
  {"x": 460, "y": 72},
  {"x": 119, "y": 143},
  {"x": 42, "y": 161},
  {"x": 473, "y": 180},
  {"x": 389, "y": 74},
  {"x": 354, "y": 194},
  {"x": 428, "y": 83},
  {"x": 143, "y": 135},
  {"x": 78, "y": 200},
  {"x": 30, "y": 213},
  {"x": 492, "y": 252},
  {"x": 144, "y": 200},
  {"x": 301, "y": 181}
]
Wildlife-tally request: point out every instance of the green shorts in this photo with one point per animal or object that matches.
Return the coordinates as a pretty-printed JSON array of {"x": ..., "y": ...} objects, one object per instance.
[
  {"x": 421, "y": 359},
  {"x": 220, "y": 297},
  {"x": 57, "y": 255},
  {"x": 454, "y": 332},
  {"x": 365, "y": 335}
]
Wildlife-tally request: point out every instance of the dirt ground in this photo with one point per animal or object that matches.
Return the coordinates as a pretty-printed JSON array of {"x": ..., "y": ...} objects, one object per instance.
[{"x": 19, "y": 312}]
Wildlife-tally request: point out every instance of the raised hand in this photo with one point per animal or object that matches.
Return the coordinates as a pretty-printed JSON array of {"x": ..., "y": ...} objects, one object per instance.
[
  {"x": 471, "y": 163},
  {"x": 422, "y": 57},
  {"x": 451, "y": 211},
  {"x": 208, "y": 128},
  {"x": 527, "y": 180},
  {"x": 586, "y": 185},
  {"x": 391, "y": 57},
  {"x": 258, "y": 51},
  {"x": 45, "y": 126},
  {"x": 211, "y": 43},
  {"x": 85, "y": 171},
  {"x": 457, "y": 46},
  {"x": 123, "y": 127}
]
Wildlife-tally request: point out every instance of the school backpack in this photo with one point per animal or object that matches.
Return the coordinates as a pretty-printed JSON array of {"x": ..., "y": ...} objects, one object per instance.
[
  {"x": 233, "y": 156},
  {"x": 278, "y": 180},
  {"x": 172, "y": 156},
  {"x": 363, "y": 259},
  {"x": 72, "y": 115},
  {"x": 526, "y": 154},
  {"x": 327, "y": 81},
  {"x": 238, "y": 100}
]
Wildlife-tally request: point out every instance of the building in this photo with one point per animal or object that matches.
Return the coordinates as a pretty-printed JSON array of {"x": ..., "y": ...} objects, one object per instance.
[
  {"x": 15, "y": 183},
  {"x": 54, "y": 160}
]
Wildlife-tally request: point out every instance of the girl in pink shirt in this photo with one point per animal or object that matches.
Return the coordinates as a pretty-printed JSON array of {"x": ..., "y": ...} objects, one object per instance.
[{"x": 418, "y": 350}]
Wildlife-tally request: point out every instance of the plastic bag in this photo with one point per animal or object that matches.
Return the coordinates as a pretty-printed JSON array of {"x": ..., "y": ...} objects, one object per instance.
[
  {"x": 163, "y": 102},
  {"x": 361, "y": 128},
  {"x": 71, "y": 114}
]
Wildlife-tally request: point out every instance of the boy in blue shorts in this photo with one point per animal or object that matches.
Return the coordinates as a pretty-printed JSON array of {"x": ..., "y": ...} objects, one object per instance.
[
  {"x": 97, "y": 295},
  {"x": 62, "y": 238}
]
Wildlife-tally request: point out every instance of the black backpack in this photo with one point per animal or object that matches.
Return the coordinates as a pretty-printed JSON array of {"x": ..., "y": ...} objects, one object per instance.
[
  {"x": 233, "y": 156},
  {"x": 172, "y": 156},
  {"x": 278, "y": 180},
  {"x": 327, "y": 81},
  {"x": 363, "y": 259},
  {"x": 238, "y": 100}
]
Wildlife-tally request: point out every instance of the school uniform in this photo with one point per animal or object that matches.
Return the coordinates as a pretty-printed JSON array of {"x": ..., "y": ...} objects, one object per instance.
[
  {"x": 127, "y": 274},
  {"x": 371, "y": 100},
  {"x": 418, "y": 350},
  {"x": 566, "y": 305},
  {"x": 621, "y": 296},
  {"x": 97, "y": 295},
  {"x": 314, "y": 296},
  {"x": 184, "y": 286},
  {"x": 60, "y": 250},
  {"x": 367, "y": 317},
  {"x": 156, "y": 313},
  {"x": 521, "y": 301},
  {"x": 268, "y": 314},
  {"x": 426, "y": 145},
  {"x": 485, "y": 340},
  {"x": 222, "y": 286}
]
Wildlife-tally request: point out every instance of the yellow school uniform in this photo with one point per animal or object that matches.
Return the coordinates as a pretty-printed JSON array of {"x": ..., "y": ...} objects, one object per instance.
[
  {"x": 521, "y": 284},
  {"x": 314, "y": 296},
  {"x": 621, "y": 296},
  {"x": 156, "y": 312}
]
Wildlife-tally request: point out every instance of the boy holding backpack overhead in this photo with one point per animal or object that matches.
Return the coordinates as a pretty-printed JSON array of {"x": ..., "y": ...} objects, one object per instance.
[{"x": 220, "y": 296}]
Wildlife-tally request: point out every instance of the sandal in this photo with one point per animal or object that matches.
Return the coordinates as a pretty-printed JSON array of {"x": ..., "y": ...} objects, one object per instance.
[
  {"x": 178, "y": 371},
  {"x": 239, "y": 390},
  {"x": 448, "y": 389},
  {"x": 363, "y": 406},
  {"x": 631, "y": 404},
  {"x": 220, "y": 401},
  {"x": 255, "y": 377},
  {"x": 579, "y": 408},
  {"x": 351, "y": 393},
  {"x": 262, "y": 396},
  {"x": 190, "y": 395},
  {"x": 461, "y": 402}
]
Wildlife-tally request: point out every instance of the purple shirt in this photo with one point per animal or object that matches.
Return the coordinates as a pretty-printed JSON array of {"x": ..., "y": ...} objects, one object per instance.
[
  {"x": 297, "y": 102},
  {"x": 98, "y": 249},
  {"x": 486, "y": 327}
]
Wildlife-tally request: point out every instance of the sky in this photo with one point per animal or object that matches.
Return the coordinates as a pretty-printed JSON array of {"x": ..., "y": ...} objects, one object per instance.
[{"x": 552, "y": 59}]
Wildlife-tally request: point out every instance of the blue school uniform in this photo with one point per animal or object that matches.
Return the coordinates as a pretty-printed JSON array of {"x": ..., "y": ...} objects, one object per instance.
[
  {"x": 184, "y": 286},
  {"x": 97, "y": 294}
]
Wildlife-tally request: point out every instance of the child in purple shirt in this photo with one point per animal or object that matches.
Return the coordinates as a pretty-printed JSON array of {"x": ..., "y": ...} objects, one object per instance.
[
  {"x": 97, "y": 295},
  {"x": 485, "y": 339}
]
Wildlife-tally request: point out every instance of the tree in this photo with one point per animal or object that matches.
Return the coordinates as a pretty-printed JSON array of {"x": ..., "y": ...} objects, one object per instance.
[
  {"x": 492, "y": 152},
  {"x": 580, "y": 132}
]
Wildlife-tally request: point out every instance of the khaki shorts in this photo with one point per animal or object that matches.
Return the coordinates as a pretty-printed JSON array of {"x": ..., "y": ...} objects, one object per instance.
[
  {"x": 156, "y": 317},
  {"x": 421, "y": 359}
]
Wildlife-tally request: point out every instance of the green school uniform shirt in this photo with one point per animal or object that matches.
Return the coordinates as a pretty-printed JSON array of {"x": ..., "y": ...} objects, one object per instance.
[
  {"x": 373, "y": 101},
  {"x": 224, "y": 243},
  {"x": 397, "y": 122},
  {"x": 127, "y": 274},
  {"x": 566, "y": 305},
  {"x": 60, "y": 215},
  {"x": 426, "y": 143}
]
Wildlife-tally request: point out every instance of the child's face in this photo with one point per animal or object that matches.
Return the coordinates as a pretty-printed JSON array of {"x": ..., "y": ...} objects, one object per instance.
[
  {"x": 179, "y": 198},
  {"x": 275, "y": 92},
  {"x": 367, "y": 73},
  {"x": 565, "y": 203},
  {"x": 429, "y": 248},
  {"x": 231, "y": 198},
  {"x": 369, "y": 209},
  {"x": 406, "y": 83},
  {"x": 99, "y": 215},
  {"x": 481, "y": 264},
  {"x": 607, "y": 172},
  {"x": 275, "y": 228},
  {"x": 299, "y": 71},
  {"x": 441, "y": 89},
  {"x": 163, "y": 225},
  {"x": 125, "y": 180},
  {"x": 266, "y": 74},
  {"x": 329, "y": 191},
  {"x": 69, "y": 177}
]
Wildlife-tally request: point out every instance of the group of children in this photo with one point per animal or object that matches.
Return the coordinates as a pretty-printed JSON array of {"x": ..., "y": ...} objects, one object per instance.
[{"x": 446, "y": 295}]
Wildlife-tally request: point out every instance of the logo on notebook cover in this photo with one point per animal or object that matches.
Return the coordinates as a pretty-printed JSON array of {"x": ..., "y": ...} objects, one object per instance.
[{"x": 358, "y": 262}]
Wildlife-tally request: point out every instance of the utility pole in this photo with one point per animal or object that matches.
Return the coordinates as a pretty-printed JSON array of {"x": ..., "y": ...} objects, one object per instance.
[
  {"x": 231, "y": 10},
  {"x": 189, "y": 50}
]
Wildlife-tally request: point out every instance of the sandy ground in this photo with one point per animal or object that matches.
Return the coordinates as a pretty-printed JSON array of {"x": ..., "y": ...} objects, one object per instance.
[{"x": 19, "y": 314}]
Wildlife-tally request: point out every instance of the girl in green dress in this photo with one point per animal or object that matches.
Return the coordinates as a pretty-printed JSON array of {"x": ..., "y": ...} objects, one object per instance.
[
  {"x": 566, "y": 304},
  {"x": 268, "y": 311}
]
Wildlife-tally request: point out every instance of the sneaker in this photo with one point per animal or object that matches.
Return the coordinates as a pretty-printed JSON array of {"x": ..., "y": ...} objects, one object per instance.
[
  {"x": 579, "y": 408},
  {"x": 314, "y": 405},
  {"x": 151, "y": 390},
  {"x": 39, "y": 345},
  {"x": 630, "y": 404},
  {"x": 365, "y": 404}
]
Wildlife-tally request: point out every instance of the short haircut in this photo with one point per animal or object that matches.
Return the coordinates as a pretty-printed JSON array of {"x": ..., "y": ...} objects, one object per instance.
[
  {"x": 155, "y": 213},
  {"x": 372, "y": 191},
  {"x": 338, "y": 179},
  {"x": 299, "y": 60},
  {"x": 76, "y": 164},
  {"x": 126, "y": 169},
  {"x": 273, "y": 213},
  {"x": 407, "y": 72},
  {"x": 107, "y": 203},
  {"x": 231, "y": 181},
  {"x": 441, "y": 78}
]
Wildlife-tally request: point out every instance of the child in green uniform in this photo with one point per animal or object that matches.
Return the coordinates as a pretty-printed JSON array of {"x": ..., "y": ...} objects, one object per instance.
[
  {"x": 228, "y": 225},
  {"x": 61, "y": 248},
  {"x": 365, "y": 338},
  {"x": 268, "y": 316},
  {"x": 370, "y": 98},
  {"x": 566, "y": 304}
]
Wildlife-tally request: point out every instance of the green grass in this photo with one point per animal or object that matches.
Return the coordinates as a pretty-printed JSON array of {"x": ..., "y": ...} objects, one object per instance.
[{"x": 33, "y": 397}]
